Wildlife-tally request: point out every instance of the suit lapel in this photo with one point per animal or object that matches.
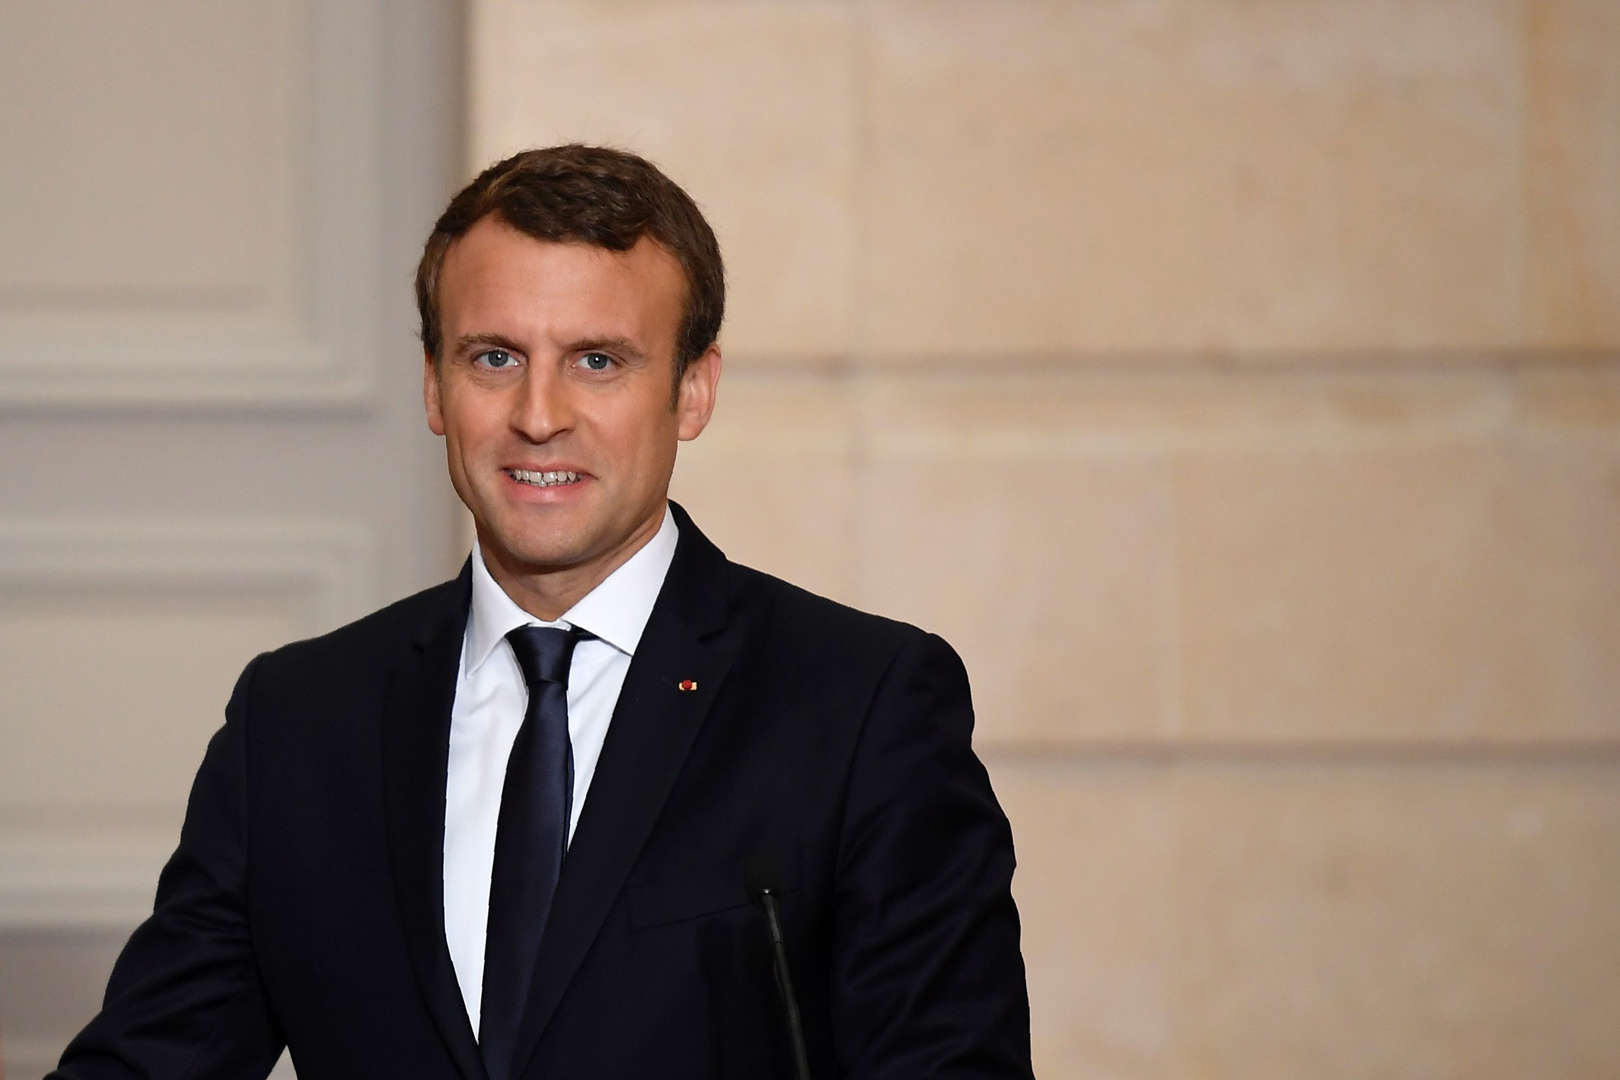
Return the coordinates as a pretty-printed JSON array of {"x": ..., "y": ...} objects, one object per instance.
[
  {"x": 653, "y": 728},
  {"x": 415, "y": 751}
]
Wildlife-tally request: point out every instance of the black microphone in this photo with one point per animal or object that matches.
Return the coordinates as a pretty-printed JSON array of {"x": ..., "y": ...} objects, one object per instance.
[{"x": 764, "y": 884}]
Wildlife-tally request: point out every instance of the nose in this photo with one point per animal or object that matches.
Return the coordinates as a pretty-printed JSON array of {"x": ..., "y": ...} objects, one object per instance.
[{"x": 541, "y": 408}]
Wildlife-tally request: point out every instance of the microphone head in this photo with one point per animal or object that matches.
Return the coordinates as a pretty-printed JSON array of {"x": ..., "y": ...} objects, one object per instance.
[{"x": 760, "y": 875}]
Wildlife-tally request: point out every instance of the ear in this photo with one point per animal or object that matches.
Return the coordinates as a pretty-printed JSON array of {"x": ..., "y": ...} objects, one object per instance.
[
  {"x": 430, "y": 395},
  {"x": 694, "y": 402}
]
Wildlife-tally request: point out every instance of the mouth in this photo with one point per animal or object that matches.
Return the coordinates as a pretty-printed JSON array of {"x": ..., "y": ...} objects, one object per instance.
[{"x": 550, "y": 478}]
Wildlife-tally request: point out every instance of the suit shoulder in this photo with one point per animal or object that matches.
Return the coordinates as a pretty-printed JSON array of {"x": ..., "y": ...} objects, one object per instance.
[
  {"x": 377, "y": 634},
  {"x": 821, "y": 625}
]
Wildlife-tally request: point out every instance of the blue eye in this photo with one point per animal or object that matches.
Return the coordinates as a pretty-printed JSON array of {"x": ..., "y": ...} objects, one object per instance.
[
  {"x": 496, "y": 359},
  {"x": 595, "y": 361}
]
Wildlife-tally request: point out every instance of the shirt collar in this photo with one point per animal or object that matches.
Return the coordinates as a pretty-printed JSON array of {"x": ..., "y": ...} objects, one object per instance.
[{"x": 616, "y": 611}]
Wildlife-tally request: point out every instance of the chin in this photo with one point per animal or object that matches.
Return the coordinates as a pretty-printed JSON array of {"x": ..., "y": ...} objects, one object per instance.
[{"x": 537, "y": 557}]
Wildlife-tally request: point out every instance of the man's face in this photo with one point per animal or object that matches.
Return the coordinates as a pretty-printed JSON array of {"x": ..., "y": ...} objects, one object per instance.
[{"x": 552, "y": 391}]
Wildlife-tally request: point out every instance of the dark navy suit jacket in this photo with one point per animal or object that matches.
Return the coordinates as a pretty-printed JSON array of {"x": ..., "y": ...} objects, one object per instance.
[{"x": 304, "y": 904}]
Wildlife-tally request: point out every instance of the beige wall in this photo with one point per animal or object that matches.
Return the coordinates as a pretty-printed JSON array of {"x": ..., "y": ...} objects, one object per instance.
[{"x": 1235, "y": 383}]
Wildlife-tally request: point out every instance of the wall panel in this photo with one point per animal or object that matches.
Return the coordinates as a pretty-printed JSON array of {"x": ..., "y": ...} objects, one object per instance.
[
  {"x": 121, "y": 643},
  {"x": 1198, "y": 175},
  {"x": 1397, "y": 919},
  {"x": 1044, "y": 552},
  {"x": 177, "y": 239},
  {"x": 1096, "y": 892}
]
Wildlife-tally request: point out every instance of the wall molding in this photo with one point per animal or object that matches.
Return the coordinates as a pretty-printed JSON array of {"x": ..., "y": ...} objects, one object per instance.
[
  {"x": 57, "y": 375},
  {"x": 36, "y": 1057},
  {"x": 75, "y": 878},
  {"x": 329, "y": 562}
]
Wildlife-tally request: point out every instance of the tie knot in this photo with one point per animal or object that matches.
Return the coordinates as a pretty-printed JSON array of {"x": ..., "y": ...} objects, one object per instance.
[{"x": 543, "y": 653}]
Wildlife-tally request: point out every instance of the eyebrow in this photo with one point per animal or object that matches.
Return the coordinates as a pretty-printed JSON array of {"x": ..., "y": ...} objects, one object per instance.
[
  {"x": 610, "y": 343},
  {"x": 467, "y": 342}
]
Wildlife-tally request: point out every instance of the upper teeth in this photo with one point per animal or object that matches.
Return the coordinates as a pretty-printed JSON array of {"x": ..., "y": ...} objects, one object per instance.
[{"x": 544, "y": 478}]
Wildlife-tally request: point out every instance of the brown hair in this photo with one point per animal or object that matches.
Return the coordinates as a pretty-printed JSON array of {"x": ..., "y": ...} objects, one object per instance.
[{"x": 594, "y": 195}]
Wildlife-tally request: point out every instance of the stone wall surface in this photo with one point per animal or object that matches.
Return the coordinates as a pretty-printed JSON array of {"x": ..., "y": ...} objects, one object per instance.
[{"x": 1237, "y": 386}]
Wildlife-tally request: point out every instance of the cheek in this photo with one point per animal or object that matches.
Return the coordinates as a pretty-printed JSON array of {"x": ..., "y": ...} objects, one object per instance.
[
  {"x": 466, "y": 425},
  {"x": 656, "y": 444}
]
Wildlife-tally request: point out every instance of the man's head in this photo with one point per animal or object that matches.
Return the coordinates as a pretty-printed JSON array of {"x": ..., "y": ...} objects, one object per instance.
[
  {"x": 590, "y": 195},
  {"x": 564, "y": 293}
]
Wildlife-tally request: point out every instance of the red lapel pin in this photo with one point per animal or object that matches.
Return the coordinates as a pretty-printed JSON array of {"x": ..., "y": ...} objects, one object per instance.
[{"x": 686, "y": 685}]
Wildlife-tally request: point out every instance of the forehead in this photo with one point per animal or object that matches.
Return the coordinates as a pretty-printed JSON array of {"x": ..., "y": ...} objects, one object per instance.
[{"x": 497, "y": 279}]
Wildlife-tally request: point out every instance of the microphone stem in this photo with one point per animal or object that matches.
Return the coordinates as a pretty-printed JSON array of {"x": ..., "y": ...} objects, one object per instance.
[{"x": 784, "y": 983}]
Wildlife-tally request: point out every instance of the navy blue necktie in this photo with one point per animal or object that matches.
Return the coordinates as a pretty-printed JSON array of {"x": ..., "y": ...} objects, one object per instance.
[{"x": 530, "y": 838}]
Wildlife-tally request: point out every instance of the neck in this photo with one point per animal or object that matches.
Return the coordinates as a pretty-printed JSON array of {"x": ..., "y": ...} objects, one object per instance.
[{"x": 547, "y": 592}]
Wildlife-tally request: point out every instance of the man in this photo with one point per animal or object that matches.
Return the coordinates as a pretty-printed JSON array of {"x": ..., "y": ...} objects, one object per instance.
[{"x": 529, "y": 823}]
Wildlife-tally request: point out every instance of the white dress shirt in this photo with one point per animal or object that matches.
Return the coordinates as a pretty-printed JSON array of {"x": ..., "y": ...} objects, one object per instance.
[{"x": 491, "y": 698}]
